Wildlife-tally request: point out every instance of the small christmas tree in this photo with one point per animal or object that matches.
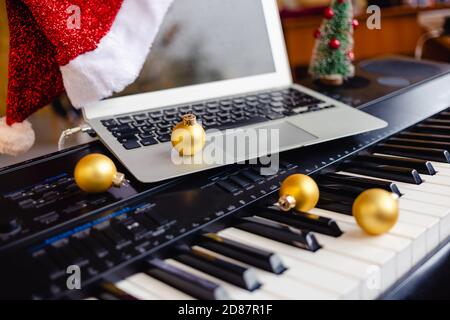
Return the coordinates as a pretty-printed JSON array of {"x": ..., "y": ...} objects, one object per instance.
[{"x": 333, "y": 52}]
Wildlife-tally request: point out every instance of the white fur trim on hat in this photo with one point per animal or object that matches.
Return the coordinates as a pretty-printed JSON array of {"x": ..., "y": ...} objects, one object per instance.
[{"x": 15, "y": 139}]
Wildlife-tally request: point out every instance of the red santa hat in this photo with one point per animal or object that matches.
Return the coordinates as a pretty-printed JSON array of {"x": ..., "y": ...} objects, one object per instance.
[{"x": 88, "y": 48}]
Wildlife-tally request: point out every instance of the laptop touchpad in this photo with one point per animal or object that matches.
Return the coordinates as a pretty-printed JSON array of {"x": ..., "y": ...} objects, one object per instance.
[{"x": 266, "y": 139}]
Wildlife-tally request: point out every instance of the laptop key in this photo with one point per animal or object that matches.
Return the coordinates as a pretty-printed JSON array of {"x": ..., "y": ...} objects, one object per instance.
[
  {"x": 125, "y": 120},
  {"x": 148, "y": 142},
  {"x": 109, "y": 123},
  {"x": 130, "y": 145},
  {"x": 164, "y": 138}
]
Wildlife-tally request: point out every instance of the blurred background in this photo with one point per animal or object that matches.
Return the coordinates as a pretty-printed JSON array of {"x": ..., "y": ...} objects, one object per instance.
[{"x": 403, "y": 24}]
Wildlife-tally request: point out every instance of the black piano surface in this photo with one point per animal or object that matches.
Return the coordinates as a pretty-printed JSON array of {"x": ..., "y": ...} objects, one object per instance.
[{"x": 181, "y": 208}]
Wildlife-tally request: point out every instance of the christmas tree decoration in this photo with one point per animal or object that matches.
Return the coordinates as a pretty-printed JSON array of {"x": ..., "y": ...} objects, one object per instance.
[
  {"x": 96, "y": 173},
  {"x": 328, "y": 13},
  {"x": 376, "y": 211},
  {"x": 316, "y": 34},
  {"x": 188, "y": 136},
  {"x": 355, "y": 23},
  {"x": 351, "y": 55},
  {"x": 90, "y": 49},
  {"x": 298, "y": 191},
  {"x": 330, "y": 61},
  {"x": 334, "y": 44}
]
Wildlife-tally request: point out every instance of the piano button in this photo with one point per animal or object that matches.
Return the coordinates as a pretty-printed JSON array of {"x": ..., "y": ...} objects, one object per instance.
[
  {"x": 383, "y": 171},
  {"x": 252, "y": 176},
  {"x": 432, "y": 128},
  {"x": 130, "y": 228},
  {"x": 262, "y": 259},
  {"x": 136, "y": 291},
  {"x": 227, "y": 186},
  {"x": 344, "y": 286},
  {"x": 401, "y": 244},
  {"x": 75, "y": 257},
  {"x": 304, "y": 221},
  {"x": 324, "y": 258},
  {"x": 157, "y": 288},
  {"x": 97, "y": 248},
  {"x": 420, "y": 143},
  {"x": 117, "y": 240},
  {"x": 53, "y": 270},
  {"x": 186, "y": 282},
  {"x": 424, "y": 136},
  {"x": 279, "y": 232},
  {"x": 59, "y": 257},
  {"x": 422, "y": 166},
  {"x": 366, "y": 183},
  {"x": 429, "y": 154},
  {"x": 233, "y": 273},
  {"x": 235, "y": 292},
  {"x": 239, "y": 181}
]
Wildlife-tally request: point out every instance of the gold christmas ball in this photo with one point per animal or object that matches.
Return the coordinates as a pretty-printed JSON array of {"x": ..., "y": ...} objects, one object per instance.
[
  {"x": 188, "y": 136},
  {"x": 96, "y": 173},
  {"x": 376, "y": 211},
  {"x": 298, "y": 191}
]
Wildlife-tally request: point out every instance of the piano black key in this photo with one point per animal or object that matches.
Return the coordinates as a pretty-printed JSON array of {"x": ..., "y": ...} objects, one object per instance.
[
  {"x": 279, "y": 232},
  {"x": 109, "y": 289},
  {"x": 422, "y": 166},
  {"x": 430, "y": 154},
  {"x": 305, "y": 221},
  {"x": 336, "y": 202},
  {"x": 240, "y": 276},
  {"x": 184, "y": 281},
  {"x": 431, "y": 128},
  {"x": 420, "y": 143},
  {"x": 424, "y": 136},
  {"x": 443, "y": 122},
  {"x": 365, "y": 183},
  {"x": 262, "y": 259},
  {"x": 444, "y": 115},
  {"x": 382, "y": 171}
]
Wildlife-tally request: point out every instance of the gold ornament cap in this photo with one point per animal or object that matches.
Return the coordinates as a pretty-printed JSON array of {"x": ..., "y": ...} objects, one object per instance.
[{"x": 286, "y": 203}]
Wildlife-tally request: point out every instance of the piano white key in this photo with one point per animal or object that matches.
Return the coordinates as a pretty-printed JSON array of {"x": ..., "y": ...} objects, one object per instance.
[
  {"x": 235, "y": 292},
  {"x": 408, "y": 241},
  {"x": 368, "y": 273},
  {"x": 136, "y": 291},
  {"x": 431, "y": 210},
  {"x": 442, "y": 168},
  {"x": 428, "y": 222},
  {"x": 158, "y": 288},
  {"x": 346, "y": 287}
]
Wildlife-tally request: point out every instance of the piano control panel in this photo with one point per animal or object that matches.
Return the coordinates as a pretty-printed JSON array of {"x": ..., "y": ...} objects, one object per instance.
[{"x": 216, "y": 235}]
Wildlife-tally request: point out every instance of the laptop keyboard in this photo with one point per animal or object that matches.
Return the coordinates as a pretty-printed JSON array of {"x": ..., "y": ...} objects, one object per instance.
[{"x": 150, "y": 128}]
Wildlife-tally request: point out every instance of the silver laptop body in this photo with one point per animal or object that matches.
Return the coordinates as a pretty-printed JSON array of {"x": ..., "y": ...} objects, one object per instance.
[{"x": 226, "y": 62}]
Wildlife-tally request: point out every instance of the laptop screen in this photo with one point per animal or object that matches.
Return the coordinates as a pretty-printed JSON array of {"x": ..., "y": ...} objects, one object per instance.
[{"x": 206, "y": 41}]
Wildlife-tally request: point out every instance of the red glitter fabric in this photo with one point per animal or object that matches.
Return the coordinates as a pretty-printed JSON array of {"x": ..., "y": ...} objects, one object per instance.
[{"x": 41, "y": 42}]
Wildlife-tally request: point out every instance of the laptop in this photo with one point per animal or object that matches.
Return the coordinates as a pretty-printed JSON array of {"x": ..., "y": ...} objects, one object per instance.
[{"x": 226, "y": 63}]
